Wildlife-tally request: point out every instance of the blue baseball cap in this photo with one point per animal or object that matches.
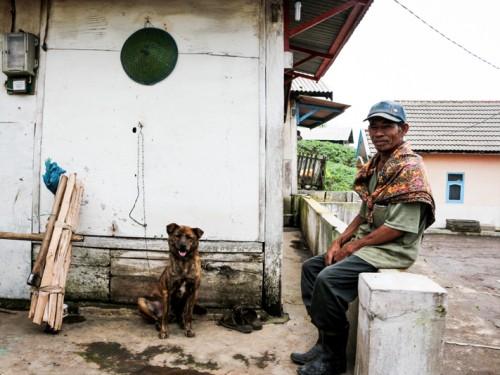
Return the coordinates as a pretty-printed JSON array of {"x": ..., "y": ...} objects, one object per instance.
[{"x": 389, "y": 110}]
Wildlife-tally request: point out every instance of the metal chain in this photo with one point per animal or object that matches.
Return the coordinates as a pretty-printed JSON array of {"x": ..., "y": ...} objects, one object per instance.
[{"x": 140, "y": 183}]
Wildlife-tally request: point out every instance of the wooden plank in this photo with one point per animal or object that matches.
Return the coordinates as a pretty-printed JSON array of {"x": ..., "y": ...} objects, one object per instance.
[
  {"x": 87, "y": 283},
  {"x": 160, "y": 244},
  {"x": 273, "y": 229},
  {"x": 145, "y": 267},
  {"x": 229, "y": 257},
  {"x": 31, "y": 236},
  {"x": 40, "y": 260},
  {"x": 222, "y": 285},
  {"x": 85, "y": 256}
]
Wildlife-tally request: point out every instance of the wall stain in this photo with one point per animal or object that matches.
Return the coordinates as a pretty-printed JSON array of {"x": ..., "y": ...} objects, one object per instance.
[{"x": 113, "y": 357}]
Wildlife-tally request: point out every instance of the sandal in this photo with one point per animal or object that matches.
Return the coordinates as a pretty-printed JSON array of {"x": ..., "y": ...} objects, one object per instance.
[
  {"x": 248, "y": 316},
  {"x": 232, "y": 321}
]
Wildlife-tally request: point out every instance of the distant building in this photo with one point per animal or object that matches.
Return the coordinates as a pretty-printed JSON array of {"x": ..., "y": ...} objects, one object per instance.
[
  {"x": 460, "y": 144},
  {"x": 334, "y": 134}
]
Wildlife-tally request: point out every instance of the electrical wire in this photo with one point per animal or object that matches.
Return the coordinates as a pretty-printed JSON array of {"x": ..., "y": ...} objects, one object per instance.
[
  {"x": 446, "y": 37},
  {"x": 470, "y": 126}
]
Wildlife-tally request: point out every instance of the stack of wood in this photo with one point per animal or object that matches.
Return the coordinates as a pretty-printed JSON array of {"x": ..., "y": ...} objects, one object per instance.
[
  {"x": 47, "y": 299},
  {"x": 456, "y": 225}
]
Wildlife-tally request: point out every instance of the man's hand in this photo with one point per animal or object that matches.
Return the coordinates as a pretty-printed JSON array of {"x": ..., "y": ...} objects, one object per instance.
[
  {"x": 332, "y": 251},
  {"x": 345, "y": 251}
]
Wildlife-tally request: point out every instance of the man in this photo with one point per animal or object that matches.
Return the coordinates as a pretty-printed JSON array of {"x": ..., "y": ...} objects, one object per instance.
[{"x": 397, "y": 206}]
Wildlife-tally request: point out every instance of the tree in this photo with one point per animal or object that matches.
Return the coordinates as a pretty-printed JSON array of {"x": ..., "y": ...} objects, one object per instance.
[{"x": 340, "y": 165}]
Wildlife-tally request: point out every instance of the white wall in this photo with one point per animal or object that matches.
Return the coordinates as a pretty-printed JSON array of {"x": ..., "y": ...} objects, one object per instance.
[
  {"x": 481, "y": 181},
  {"x": 17, "y": 122},
  {"x": 202, "y": 129}
]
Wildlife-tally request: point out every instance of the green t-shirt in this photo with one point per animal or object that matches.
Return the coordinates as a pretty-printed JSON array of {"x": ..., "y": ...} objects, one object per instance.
[{"x": 406, "y": 217}]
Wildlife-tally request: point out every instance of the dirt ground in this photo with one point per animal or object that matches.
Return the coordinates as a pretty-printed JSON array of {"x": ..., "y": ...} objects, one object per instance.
[
  {"x": 469, "y": 268},
  {"x": 117, "y": 341}
]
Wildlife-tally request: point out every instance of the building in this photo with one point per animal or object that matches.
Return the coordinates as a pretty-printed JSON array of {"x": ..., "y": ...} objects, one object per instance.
[
  {"x": 203, "y": 146},
  {"x": 460, "y": 144}
]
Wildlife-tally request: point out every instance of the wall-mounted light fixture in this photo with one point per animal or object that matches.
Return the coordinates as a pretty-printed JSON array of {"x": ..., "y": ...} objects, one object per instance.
[
  {"x": 298, "y": 10},
  {"x": 19, "y": 62}
]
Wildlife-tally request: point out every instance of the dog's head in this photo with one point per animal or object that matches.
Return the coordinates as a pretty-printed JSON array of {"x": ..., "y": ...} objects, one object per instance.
[{"x": 183, "y": 240}]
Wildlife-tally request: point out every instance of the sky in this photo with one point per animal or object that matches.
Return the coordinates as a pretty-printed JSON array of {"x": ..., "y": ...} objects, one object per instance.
[{"x": 393, "y": 56}]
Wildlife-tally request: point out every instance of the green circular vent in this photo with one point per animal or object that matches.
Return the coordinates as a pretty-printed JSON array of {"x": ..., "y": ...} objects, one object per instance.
[{"x": 149, "y": 55}]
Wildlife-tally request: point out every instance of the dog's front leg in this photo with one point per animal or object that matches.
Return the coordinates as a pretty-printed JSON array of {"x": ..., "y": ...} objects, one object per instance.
[
  {"x": 164, "y": 316},
  {"x": 187, "y": 315}
]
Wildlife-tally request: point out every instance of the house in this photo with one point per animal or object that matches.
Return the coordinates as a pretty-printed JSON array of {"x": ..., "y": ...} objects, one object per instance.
[
  {"x": 310, "y": 106},
  {"x": 341, "y": 135},
  {"x": 199, "y": 144},
  {"x": 460, "y": 144}
]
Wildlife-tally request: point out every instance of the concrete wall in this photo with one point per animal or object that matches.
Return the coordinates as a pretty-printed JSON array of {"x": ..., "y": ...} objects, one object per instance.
[
  {"x": 18, "y": 117},
  {"x": 318, "y": 224},
  {"x": 481, "y": 181},
  {"x": 202, "y": 130}
]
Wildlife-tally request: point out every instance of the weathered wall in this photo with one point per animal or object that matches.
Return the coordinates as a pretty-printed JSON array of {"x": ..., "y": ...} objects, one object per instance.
[
  {"x": 212, "y": 140},
  {"x": 17, "y": 125},
  {"x": 481, "y": 181},
  {"x": 201, "y": 124},
  {"x": 114, "y": 270}
]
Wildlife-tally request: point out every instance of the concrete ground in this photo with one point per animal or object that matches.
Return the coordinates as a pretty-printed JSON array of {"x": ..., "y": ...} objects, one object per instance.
[{"x": 117, "y": 341}]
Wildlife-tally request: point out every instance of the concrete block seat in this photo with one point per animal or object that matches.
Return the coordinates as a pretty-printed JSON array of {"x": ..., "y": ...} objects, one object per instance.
[{"x": 400, "y": 325}]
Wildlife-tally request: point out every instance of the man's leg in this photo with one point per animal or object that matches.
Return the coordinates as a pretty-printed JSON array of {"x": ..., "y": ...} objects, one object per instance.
[
  {"x": 334, "y": 288},
  {"x": 310, "y": 270}
]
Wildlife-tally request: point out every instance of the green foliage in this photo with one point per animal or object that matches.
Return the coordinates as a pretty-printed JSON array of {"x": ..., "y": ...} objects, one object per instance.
[
  {"x": 340, "y": 170},
  {"x": 333, "y": 152},
  {"x": 339, "y": 177}
]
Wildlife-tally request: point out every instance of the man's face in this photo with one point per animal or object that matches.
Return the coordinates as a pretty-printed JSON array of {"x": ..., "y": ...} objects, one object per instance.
[{"x": 386, "y": 135}]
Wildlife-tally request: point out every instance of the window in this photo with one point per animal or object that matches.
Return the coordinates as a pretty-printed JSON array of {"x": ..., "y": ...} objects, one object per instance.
[{"x": 455, "y": 188}]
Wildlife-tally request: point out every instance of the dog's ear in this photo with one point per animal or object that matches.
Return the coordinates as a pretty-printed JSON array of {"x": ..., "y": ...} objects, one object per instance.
[
  {"x": 198, "y": 232},
  {"x": 172, "y": 227}
]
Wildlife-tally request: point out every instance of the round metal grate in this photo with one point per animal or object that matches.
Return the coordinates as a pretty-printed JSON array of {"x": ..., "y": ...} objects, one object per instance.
[{"x": 149, "y": 55}]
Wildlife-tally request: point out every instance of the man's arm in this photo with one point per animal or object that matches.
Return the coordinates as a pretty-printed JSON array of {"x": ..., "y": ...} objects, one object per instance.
[
  {"x": 379, "y": 236},
  {"x": 343, "y": 238}
]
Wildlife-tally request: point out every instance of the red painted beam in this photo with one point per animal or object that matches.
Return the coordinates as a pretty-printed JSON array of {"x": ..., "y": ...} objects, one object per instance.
[
  {"x": 311, "y": 52},
  {"x": 345, "y": 32},
  {"x": 286, "y": 24},
  {"x": 321, "y": 18},
  {"x": 295, "y": 74}
]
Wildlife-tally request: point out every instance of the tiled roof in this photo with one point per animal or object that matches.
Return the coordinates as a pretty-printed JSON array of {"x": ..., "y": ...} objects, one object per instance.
[
  {"x": 452, "y": 126},
  {"x": 309, "y": 87}
]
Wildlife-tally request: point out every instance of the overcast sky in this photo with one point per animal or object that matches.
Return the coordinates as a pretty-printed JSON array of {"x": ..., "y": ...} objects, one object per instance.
[{"x": 392, "y": 55}]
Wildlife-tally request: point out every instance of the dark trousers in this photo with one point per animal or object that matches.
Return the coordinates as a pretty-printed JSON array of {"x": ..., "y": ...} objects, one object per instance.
[{"x": 326, "y": 291}]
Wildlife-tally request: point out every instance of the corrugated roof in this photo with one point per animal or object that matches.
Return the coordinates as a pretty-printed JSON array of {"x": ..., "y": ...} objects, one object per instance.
[
  {"x": 452, "y": 126},
  {"x": 313, "y": 112},
  {"x": 325, "y": 39},
  {"x": 312, "y": 88},
  {"x": 328, "y": 133}
]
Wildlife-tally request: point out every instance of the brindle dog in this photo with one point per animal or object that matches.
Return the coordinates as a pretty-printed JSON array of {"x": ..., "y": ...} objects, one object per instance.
[{"x": 177, "y": 290}]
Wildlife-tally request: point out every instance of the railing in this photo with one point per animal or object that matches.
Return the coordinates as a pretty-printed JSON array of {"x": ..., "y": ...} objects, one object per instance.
[{"x": 311, "y": 171}]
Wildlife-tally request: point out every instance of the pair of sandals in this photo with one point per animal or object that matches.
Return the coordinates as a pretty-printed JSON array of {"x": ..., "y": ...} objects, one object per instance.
[{"x": 242, "y": 319}]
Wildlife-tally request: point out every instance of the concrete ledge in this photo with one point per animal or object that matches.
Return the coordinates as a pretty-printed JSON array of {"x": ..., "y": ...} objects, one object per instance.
[
  {"x": 318, "y": 225},
  {"x": 401, "y": 324}
]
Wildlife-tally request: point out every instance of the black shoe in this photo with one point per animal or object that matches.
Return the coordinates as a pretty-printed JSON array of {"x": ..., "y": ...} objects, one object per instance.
[
  {"x": 314, "y": 352},
  {"x": 324, "y": 364},
  {"x": 311, "y": 354}
]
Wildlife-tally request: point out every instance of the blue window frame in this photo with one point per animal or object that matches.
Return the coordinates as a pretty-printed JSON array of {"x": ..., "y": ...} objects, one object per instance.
[{"x": 455, "y": 188}]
